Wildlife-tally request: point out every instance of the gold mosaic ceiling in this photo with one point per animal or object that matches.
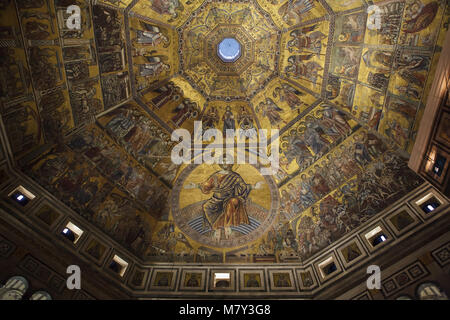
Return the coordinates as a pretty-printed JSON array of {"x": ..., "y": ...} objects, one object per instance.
[
  {"x": 203, "y": 68},
  {"x": 316, "y": 49},
  {"x": 89, "y": 114}
]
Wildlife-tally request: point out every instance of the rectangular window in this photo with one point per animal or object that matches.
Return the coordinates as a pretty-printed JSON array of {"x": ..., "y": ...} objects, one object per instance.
[
  {"x": 376, "y": 236},
  {"x": 21, "y": 196},
  {"x": 222, "y": 280},
  {"x": 118, "y": 265},
  {"x": 72, "y": 232},
  {"x": 327, "y": 267},
  {"x": 429, "y": 203}
]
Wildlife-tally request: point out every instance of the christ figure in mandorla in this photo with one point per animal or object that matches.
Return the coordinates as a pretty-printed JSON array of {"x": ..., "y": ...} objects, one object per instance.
[{"x": 227, "y": 206}]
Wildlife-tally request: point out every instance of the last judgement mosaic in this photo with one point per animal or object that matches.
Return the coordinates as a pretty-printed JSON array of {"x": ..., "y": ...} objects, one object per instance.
[{"x": 90, "y": 111}]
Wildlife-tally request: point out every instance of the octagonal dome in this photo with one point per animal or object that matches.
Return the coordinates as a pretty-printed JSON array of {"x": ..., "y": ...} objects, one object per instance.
[{"x": 89, "y": 115}]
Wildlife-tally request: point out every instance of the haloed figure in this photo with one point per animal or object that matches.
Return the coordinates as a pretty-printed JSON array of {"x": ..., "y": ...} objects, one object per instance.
[
  {"x": 226, "y": 208},
  {"x": 228, "y": 121}
]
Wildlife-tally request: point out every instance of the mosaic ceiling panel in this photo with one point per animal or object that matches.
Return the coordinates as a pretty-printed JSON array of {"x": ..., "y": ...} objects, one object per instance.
[
  {"x": 89, "y": 115},
  {"x": 201, "y": 35}
]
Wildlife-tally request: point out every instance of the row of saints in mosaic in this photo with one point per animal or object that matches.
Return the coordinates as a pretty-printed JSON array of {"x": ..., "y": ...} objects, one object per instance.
[{"x": 90, "y": 112}]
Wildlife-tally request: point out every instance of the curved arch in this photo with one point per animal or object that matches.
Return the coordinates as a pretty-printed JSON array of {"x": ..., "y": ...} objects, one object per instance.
[
  {"x": 404, "y": 297},
  {"x": 14, "y": 289},
  {"x": 430, "y": 290},
  {"x": 41, "y": 295}
]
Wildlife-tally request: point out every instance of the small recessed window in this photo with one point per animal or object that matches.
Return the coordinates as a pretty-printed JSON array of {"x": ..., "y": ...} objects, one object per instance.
[
  {"x": 379, "y": 239},
  {"x": 429, "y": 203},
  {"x": 222, "y": 280},
  {"x": 439, "y": 165},
  {"x": 21, "y": 196},
  {"x": 118, "y": 265},
  {"x": 327, "y": 267},
  {"x": 376, "y": 236},
  {"x": 71, "y": 232}
]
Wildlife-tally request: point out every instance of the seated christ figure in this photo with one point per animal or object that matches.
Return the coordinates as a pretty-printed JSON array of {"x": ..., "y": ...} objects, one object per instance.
[{"x": 227, "y": 206}]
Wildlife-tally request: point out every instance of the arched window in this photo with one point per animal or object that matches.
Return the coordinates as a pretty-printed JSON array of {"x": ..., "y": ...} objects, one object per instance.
[
  {"x": 14, "y": 289},
  {"x": 41, "y": 295},
  {"x": 430, "y": 291}
]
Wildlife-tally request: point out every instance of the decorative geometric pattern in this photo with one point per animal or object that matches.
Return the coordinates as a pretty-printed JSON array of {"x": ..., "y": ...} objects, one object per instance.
[
  {"x": 442, "y": 255},
  {"x": 6, "y": 248},
  {"x": 405, "y": 277},
  {"x": 40, "y": 271}
]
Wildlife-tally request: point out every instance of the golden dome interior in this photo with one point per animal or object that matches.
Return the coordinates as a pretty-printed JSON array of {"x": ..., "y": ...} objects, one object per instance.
[{"x": 89, "y": 114}]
